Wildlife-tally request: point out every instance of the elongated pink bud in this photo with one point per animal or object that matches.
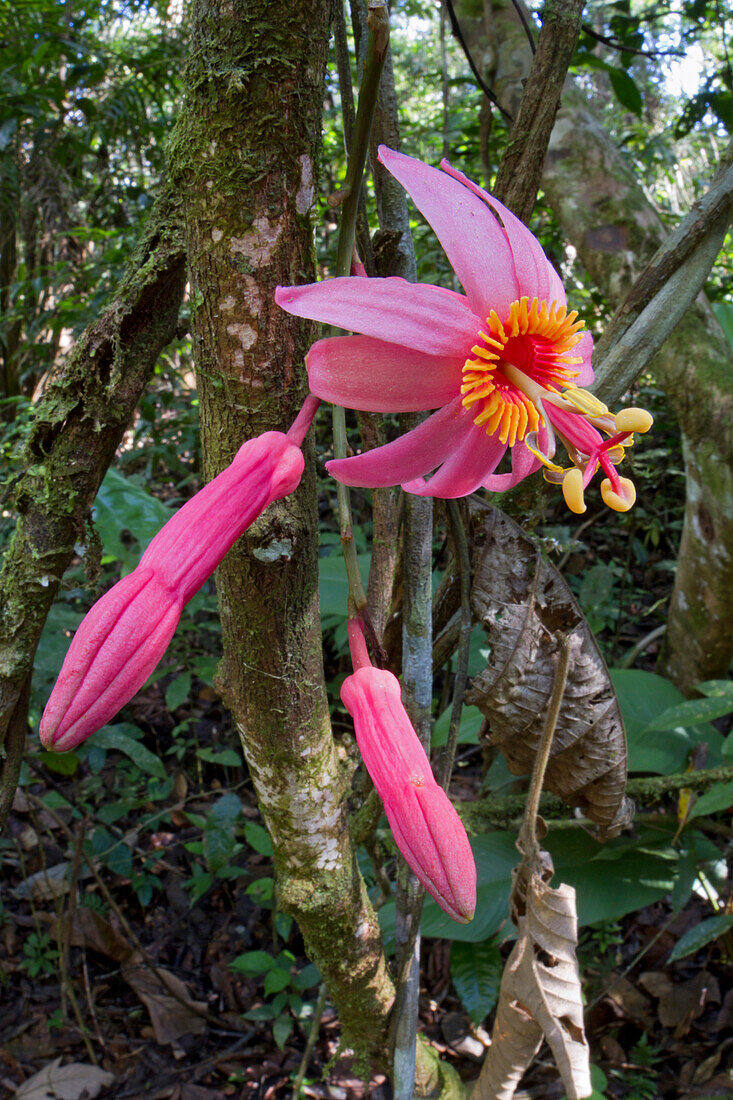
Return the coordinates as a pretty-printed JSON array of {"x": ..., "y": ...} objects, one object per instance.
[
  {"x": 426, "y": 827},
  {"x": 126, "y": 633}
]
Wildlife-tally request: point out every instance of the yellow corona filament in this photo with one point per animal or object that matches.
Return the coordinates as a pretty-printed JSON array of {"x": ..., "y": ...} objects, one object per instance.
[
  {"x": 620, "y": 502},
  {"x": 490, "y": 382},
  {"x": 572, "y": 490},
  {"x": 633, "y": 420}
]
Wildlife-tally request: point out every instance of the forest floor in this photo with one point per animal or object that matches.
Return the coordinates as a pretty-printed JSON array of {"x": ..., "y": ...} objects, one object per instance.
[{"x": 144, "y": 1002}]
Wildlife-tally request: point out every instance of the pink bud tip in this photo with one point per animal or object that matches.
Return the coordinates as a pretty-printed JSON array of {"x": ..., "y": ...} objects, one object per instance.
[
  {"x": 425, "y": 825},
  {"x": 126, "y": 633}
]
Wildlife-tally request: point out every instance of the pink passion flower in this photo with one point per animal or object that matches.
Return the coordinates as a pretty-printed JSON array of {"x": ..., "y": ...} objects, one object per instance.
[
  {"x": 424, "y": 823},
  {"x": 503, "y": 365},
  {"x": 127, "y": 631}
]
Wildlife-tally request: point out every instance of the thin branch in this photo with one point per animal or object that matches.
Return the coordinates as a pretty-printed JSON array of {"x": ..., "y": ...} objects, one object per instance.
[
  {"x": 520, "y": 171},
  {"x": 460, "y": 542},
  {"x": 519, "y": 8},
  {"x": 614, "y": 44},
  {"x": 456, "y": 28},
  {"x": 666, "y": 288}
]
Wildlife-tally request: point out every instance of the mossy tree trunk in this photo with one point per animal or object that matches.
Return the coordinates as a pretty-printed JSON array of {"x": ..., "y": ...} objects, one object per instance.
[
  {"x": 606, "y": 215},
  {"x": 77, "y": 427},
  {"x": 245, "y": 155}
]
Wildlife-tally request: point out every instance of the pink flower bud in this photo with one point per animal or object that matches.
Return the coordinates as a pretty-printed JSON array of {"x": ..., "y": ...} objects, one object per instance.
[
  {"x": 126, "y": 633},
  {"x": 426, "y": 827}
]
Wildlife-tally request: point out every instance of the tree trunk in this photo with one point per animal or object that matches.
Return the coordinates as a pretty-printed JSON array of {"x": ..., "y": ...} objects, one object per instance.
[
  {"x": 77, "y": 428},
  {"x": 606, "y": 216},
  {"x": 245, "y": 155}
]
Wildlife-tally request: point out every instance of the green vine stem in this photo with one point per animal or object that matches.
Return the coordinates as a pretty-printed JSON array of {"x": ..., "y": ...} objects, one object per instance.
[{"x": 378, "y": 24}]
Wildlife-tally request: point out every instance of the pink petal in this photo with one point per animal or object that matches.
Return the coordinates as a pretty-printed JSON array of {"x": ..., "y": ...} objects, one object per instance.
[
  {"x": 412, "y": 455},
  {"x": 584, "y": 348},
  {"x": 534, "y": 271},
  {"x": 416, "y": 315},
  {"x": 523, "y": 464},
  {"x": 473, "y": 459},
  {"x": 472, "y": 238},
  {"x": 360, "y": 372}
]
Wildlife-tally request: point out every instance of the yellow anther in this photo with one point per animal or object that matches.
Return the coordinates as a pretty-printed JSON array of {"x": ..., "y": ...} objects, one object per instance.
[
  {"x": 585, "y": 402},
  {"x": 633, "y": 420},
  {"x": 572, "y": 490},
  {"x": 620, "y": 502}
]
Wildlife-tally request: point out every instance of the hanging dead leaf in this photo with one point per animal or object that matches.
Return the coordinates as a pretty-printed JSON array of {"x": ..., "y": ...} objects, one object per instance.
[
  {"x": 72, "y": 1082},
  {"x": 540, "y": 996},
  {"x": 524, "y": 604}
]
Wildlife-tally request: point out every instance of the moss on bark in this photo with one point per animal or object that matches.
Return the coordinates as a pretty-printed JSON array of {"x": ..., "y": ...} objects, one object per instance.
[
  {"x": 77, "y": 427},
  {"x": 245, "y": 155}
]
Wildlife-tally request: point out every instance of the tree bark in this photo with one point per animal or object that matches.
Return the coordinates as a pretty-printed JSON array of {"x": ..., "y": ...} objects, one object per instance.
[
  {"x": 77, "y": 427},
  {"x": 245, "y": 155},
  {"x": 606, "y": 216}
]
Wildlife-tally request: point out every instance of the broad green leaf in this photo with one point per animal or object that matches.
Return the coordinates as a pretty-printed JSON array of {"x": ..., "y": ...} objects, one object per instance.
[
  {"x": 332, "y": 583},
  {"x": 63, "y": 763},
  {"x": 224, "y": 812},
  {"x": 724, "y": 312},
  {"x": 475, "y": 970},
  {"x": 225, "y": 758},
  {"x": 691, "y": 712},
  {"x": 701, "y": 935},
  {"x": 122, "y": 505},
  {"x": 258, "y": 838},
  {"x": 719, "y": 797},
  {"x": 281, "y": 1030},
  {"x": 117, "y": 738},
  {"x": 643, "y": 696},
  {"x": 719, "y": 689},
  {"x": 253, "y": 963},
  {"x": 275, "y": 980},
  {"x": 614, "y": 878},
  {"x": 471, "y": 719},
  {"x": 178, "y": 691},
  {"x": 626, "y": 90},
  {"x": 309, "y": 976}
]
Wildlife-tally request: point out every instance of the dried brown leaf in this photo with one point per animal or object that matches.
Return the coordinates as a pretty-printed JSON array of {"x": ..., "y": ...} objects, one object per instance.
[
  {"x": 540, "y": 996},
  {"x": 172, "y": 1010},
  {"x": 524, "y": 604},
  {"x": 76, "y": 1081}
]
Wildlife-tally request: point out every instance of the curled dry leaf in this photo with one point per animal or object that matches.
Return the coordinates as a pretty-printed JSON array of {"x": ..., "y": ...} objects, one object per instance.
[
  {"x": 524, "y": 604},
  {"x": 76, "y": 1081},
  {"x": 540, "y": 996},
  {"x": 172, "y": 1010}
]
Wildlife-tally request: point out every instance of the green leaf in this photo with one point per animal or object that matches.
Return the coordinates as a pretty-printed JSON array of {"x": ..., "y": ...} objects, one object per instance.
[
  {"x": 309, "y": 976},
  {"x": 626, "y": 90},
  {"x": 258, "y": 838},
  {"x": 702, "y": 934},
  {"x": 643, "y": 696},
  {"x": 224, "y": 812},
  {"x": 719, "y": 797},
  {"x": 724, "y": 312},
  {"x": 471, "y": 720},
  {"x": 252, "y": 963},
  {"x": 118, "y": 738},
  {"x": 122, "y": 505},
  {"x": 223, "y": 758},
  {"x": 275, "y": 980},
  {"x": 178, "y": 691},
  {"x": 281, "y": 1030},
  {"x": 475, "y": 970},
  {"x": 219, "y": 846},
  {"x": 615, "y": 878},
  {"x": 333, "y": 586},
  {"x": 691, "y": 713},
  {"x": 63, "y": 763},
  {"x": 719, "y": 689}
]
